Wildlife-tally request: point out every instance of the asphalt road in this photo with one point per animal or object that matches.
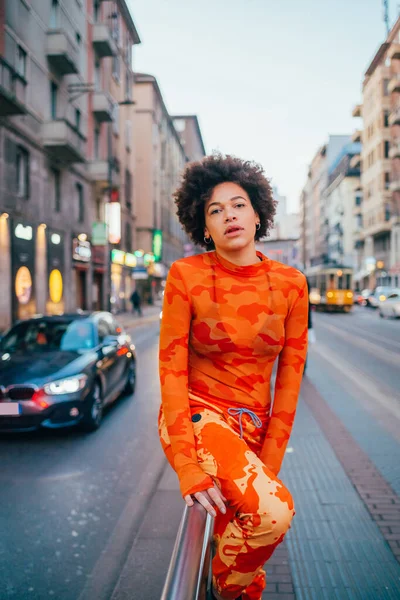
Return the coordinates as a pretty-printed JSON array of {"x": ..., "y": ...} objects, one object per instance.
[{"x": 73, "y": 504}]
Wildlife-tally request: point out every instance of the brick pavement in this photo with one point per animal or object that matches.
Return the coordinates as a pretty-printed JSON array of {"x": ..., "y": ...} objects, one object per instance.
[{"x": 381, "y": 501}]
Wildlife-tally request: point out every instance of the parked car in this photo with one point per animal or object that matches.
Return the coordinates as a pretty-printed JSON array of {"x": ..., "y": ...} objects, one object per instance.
[
  {"x": 360, "y": 298},
  {"x": 58, "y": 371},
  {"x": 390, "y": 307},
  {"x": 379, "y": 295}
]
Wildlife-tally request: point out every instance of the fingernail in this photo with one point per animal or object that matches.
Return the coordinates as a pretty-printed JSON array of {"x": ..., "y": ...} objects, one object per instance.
[
  {"x": 223, "y": 510},
  {"x": 213, "y": 513}
]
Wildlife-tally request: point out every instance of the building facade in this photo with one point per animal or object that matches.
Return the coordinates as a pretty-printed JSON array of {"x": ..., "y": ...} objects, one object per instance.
[
  {"x": 56, "y": 103},
  {"x": 160, "y": 160},
  {"x": 379, "y": 239}
]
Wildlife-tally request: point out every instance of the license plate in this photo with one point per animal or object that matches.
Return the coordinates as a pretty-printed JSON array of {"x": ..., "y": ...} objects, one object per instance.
[{"x": 10, "y": 409}]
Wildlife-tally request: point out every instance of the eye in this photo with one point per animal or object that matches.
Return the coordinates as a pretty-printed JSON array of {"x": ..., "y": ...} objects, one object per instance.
[
  {"x": 239, "y": 205},
  {"x": 214, "y": 211}
]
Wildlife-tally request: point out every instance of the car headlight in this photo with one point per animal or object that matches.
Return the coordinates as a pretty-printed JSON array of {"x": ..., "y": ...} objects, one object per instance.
[{"x": 68, "y": 385}]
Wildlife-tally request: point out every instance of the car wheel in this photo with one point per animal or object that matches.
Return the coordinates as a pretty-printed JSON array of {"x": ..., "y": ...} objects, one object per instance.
[
  {"x": 131, "y": 379},
  {"x": 92, "y": 420}
]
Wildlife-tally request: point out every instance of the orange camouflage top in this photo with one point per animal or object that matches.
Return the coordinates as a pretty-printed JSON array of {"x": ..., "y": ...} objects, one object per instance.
[{"x": 223, "y": 326}]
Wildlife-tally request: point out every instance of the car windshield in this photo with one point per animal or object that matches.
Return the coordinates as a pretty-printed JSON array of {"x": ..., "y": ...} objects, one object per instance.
[{"x": 44, "y": 335}]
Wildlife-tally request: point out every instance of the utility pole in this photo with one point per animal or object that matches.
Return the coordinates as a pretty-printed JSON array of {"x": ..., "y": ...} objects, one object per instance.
[{"x": 386, "y": 15}]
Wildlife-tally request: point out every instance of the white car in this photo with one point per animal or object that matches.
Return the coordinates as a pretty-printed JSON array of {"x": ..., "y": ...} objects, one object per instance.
[{"x": 391, "y": 306}]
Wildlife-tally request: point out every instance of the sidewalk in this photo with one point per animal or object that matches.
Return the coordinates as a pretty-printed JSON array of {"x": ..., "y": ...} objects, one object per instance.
[
  {"x": 151, "y": 313},
  {"x": 344, "y": 543}
]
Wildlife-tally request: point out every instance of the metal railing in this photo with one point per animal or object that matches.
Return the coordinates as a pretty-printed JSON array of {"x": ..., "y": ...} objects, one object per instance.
[{"x": 189, "y": 572}]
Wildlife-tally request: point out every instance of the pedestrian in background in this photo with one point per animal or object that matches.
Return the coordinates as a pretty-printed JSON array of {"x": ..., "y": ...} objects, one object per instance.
[
  {"x": 136, "y": 303},
  {"x": 227, "y": 315}
]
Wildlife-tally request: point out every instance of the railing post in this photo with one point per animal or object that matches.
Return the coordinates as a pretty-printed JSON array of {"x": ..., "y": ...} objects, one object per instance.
[{"x": 189, "y": 566}]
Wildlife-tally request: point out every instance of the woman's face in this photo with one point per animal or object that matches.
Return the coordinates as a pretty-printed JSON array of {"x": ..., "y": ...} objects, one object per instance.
[{"x": 230, "y": 218}]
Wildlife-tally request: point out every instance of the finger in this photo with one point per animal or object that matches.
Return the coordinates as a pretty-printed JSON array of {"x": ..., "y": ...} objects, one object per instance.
[
  {"x": 189, "y": 500},
  {"x": 201, "y": 498},
  {"x": 220, "y": 493},
  {"x": 216, "y": 498}
]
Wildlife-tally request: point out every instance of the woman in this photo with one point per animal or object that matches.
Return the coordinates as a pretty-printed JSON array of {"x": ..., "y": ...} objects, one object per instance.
[{"x": 227, "y": 315}]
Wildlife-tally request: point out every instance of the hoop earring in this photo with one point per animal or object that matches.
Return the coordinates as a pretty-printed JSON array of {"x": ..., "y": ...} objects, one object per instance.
[
  {"x": 258, "y": 226},
  {"x": 207, "y": 240}
]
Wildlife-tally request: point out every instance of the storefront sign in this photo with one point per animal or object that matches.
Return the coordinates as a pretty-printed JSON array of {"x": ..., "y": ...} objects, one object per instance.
[
  {"x": 113, "y": 220},
  {"x": 23, "y": 233},
  {"x": 81, "y": 251},
  {"x": 99, "y": 234},
  {"x": 130, "y": 260},
  {"x": 55, "y": 286},
  {"x": 99, "y": 254},
  {"x": 157, "y": 245},
  {"x": 118, "y": 257},
  {"x": 23, "y": 285}
]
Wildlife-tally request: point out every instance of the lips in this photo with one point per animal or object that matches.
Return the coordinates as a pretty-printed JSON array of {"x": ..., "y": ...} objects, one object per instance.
[{"x": 233, "y": 228}]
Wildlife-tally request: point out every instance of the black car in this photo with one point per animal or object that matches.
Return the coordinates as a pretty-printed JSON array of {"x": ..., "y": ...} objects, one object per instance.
[{"x": 58, "y": 371}]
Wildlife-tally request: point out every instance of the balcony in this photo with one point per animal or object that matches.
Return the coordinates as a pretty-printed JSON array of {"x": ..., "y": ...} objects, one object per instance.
[
  {"x": 395, "y": 186},
  {"x": 394, "y": 51},
  {"x": 357, "y": 111},
  {"x": 103, "y": 42},
  {"x": 12, "y": 91},
  {"x": 355, "y": 161},
  {"x": 99, "y": 173},
  {"x": 394, "y": 151},
  {"x": 64, "y": 141},
  {"x": 356, "y": 137},
  {"x": 62, "y": 54},
  {"x": 394, "y": 84},
  {"x": 394, "y": 117},
  {"x": 103, "y": 106}
]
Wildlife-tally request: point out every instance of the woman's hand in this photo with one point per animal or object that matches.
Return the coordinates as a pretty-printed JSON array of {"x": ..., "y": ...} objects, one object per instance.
[{"x": 209, "y": 498}]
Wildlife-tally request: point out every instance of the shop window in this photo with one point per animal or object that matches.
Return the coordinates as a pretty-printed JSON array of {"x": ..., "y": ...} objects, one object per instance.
[{"x": 22, "y": 172}]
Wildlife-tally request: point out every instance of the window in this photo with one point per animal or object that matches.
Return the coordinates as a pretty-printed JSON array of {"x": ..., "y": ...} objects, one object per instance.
[
  {"x": 21, "y": 62},
  {"x": 78, "y": 38},
  {"x": 97, "y": 74},
  {"x": 54, "y": 14},
  {"x": 77, "y": 119},
  {"x": 387, "y": 181},
  {"x": 81, "y": 206},
  {"x": 386, "y": 149},
  {"x": 385, "y": 87},
  {"x": 57, "y": 190},
  {"x": 386, "y": 118},
  {"x": 128, "y": 188},
  {"x": 22, "y": 172},
  {"x": 116, "y": 68},
  {"x": 96, "y": 10},
  {"x": 115, "y": 123},
  {"x": 128, "y": 237},
  {"x": 96, "y": 143},
  {"x": 53, "y": 100},
  {"x": 103, "y": 329},
  {"x": 128, "y": 85}
]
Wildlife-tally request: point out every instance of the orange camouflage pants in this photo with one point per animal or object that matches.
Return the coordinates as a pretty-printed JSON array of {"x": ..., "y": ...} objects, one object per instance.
[{"x": 259, "y": 509}]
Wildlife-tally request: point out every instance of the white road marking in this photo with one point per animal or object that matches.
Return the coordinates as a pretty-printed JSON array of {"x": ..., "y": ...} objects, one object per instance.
[
  {"x": 383, "y": 354},
  {"x": 389, "y": 400}
]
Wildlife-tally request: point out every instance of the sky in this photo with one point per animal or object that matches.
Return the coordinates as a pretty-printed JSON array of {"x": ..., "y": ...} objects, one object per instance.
[{"x": 268, "y": 79}]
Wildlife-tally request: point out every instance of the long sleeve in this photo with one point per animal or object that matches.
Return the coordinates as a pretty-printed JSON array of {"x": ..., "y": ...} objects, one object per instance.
[
  {"x": 288, "y": 380},
  {"x": 173, "y": 365}
]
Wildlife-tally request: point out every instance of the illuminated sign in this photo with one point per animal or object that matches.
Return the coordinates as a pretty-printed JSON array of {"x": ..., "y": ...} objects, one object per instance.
[
  {"x": 81, "y": 250},
  {"x": 113, "y": 220},
  {"x": 23, "y": 233},
  {"x": 157, "y": 245},
  {"x": 130, "y": 260},
  {"x": 99, "y": 234},
  {"x": 55, "y": 238},
  {"x": 118, "y": 257},
  {"x": 23, "y": 285},
  {"x": 55, "y": 286}
]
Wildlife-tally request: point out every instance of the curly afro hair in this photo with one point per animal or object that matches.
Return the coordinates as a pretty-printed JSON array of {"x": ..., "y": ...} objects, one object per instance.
[{"x": 199, "y": 180}]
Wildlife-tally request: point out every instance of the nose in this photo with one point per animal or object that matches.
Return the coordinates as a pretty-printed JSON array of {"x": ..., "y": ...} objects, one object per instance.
[{"x": 230, "y": 218}]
